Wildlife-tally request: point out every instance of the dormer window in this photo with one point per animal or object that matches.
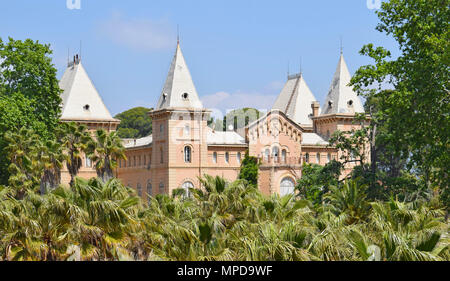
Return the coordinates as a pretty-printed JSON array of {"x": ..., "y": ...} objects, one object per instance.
[
  {"x": 330, "y": 104},
  {"x": 185, "y": 96},
  {"x": 350, "y": 103},
  {"x": 86, "y": 107},
  {"x": 164, "y": 96}
]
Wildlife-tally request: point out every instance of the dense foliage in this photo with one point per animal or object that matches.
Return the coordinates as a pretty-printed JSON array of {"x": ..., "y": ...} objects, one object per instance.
[
  {"x": 249, "y": 170},
  {"x": 29, "y": 93},
  {"x": 36, "y": 163},
  {"x": 96, "y": 220},
  {"x": 134, "y": 123},
  {"x": 410, "y": 124}
]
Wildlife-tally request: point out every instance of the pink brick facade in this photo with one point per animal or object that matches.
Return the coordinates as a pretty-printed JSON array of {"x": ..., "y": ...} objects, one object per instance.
[
  {"x": 182, "y": 148},
  {"x": 161, "y": 166}
]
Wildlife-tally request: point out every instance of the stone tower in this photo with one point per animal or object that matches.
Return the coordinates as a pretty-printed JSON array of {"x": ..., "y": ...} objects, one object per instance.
[{"x": 179, "y": 148}]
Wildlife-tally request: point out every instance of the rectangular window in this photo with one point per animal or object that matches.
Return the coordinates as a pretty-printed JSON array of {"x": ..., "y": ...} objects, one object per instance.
[
  {"x": 88, "y": 162},
  {"x": 140, "y": 160},
  {"x": 145, "y": 160}
]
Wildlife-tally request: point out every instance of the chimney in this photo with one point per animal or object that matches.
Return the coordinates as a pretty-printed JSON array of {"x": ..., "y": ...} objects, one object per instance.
[{"x": 315, "y": 108}]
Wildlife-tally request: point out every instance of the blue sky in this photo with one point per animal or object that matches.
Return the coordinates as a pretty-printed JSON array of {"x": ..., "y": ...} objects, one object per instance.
[{"x": 237, "y": 50}]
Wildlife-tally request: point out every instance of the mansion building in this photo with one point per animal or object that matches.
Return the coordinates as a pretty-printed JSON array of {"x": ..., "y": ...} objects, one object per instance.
[{"x": 183, "y": 147}]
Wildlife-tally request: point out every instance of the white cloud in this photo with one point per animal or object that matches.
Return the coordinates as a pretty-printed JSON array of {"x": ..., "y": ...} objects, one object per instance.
[
  {"x": 228, "y": 101},
  {"x": 262, "y": 100},
  {"x": 138, "y": 34},
  {"x": 274, "y": 86}
]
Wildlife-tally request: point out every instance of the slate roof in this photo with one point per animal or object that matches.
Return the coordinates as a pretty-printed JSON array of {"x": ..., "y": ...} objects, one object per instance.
[
  {"x": 80, "y": 98},
  {"x": 341, "y": 98}
]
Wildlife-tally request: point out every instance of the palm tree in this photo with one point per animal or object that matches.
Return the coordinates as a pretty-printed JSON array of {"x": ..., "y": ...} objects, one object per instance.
[
  {"x": 74, "y": 139},
  {"x": 105, "y": 149},
  {"x": 410, "y": 231},
  {"x": 99, "y": 219},
  {"x": 51, "y": 158},
  {"x": 25, "y": 170},
  {"x": 349, "y": 199}
]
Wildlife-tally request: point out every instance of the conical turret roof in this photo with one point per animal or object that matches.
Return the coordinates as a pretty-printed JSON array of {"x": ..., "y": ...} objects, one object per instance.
[
  {"x": 341, "y": 98},
  {"x": 81, "y": 101},
  {"x": 179, "y": 89}
]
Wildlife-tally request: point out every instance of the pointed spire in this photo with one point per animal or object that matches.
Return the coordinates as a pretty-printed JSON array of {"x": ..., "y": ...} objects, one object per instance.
[
  {"x": 295, "y": 100},
  {"x": 341, "y": 98},
  {"x": 288, "y": 70},
  {"x": 80, "y": 99},
  {"x": 301, "y": 65},
  {"x": 179, "y": 89}
]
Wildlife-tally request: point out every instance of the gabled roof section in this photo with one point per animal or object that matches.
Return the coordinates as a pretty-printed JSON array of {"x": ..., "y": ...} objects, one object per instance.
[
  {"x": 295, "y": 100},
  {"x": 341, "y": 98},
  {"x": 179, "y": 89},
  {"x": 80, "y": 99},
  {"x": 277, "y": 113}
]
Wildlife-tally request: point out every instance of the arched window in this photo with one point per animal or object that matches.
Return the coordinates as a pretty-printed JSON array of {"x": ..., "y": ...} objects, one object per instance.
[
  {"x": 318, "y": 158},
  {"x": 187, "y": 154},
  {"x": 283, "y": 155},
  {"x": 215, "y": 157},
  {"x": 161, "y": 187},
  {"x": 161, "y": 155},
  {"x": 238, "y": 157},
  {"x": 266, "y": 154},
  {"x": 227, "y": 157},
  {"x": 139, "y": 189},
  {"x": 275, "y": 151},
  {"x": 186, "y": 187},
  {"x": 149, "y": 188},
  {"x": 287, "y": 186}
]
